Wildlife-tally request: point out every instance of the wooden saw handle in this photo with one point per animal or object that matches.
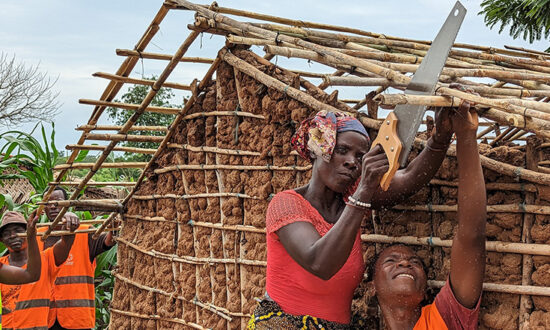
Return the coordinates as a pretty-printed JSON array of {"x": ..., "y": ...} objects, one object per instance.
[{"x": 390, "y": 142}]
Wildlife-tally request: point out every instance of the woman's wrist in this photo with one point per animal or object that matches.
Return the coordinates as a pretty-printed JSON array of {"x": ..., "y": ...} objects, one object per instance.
[
  {"x": 436, "y": 146},
  {"x": 466, "y": 136},
  {"x": 358, "y": 204},
  {"x": 441, "y": 139},
  {"x": 363, "y": 195}
]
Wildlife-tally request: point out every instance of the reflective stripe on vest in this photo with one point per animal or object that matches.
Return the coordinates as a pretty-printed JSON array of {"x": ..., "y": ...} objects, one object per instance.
[
  {"x": 73, "y": 298},
  {"x": 33, "y": 328},
  {"x": 74, "y": 280},
  {"x": 74, "y": 303},
  {"x": 26, "y": 304}
]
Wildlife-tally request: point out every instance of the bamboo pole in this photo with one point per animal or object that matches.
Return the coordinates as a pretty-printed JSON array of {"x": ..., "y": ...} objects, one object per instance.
[
  {"x": 117, "y": 128},
  {"x": 128, "y": 106},
  {"x": 94, "y": 183},
  {"x": 82, "y": 222},
  {"x": 510, "y": 134},
  {"x": 481, "y": 89},
  {"x": 514, "y": 109},
  {"x": 500, "y": 167},
  {"x": 326, "y": 51},
  {"x": 445, "y": 101},
  {"x": 124, "y": 137},
  {"x": 526, "y": 305},
  {"x": 112, "y": 89},
  {"x": 222, "y": 113},
  {"x": 144, "y": 82},
  {"x": 156, "y": 317},
  {"x": 463, "y": 55},
  {"x": 505, "y": 288},
  {"x": 213, "y": 150},
  {"x": 518, "y": 136},
  {"x": 533, "y": 120},
  {"x": 505, "y": 208},
  {"x": 337, "y": 73},
  {"x": 298, "y": 23},
  {"x": 150, "y": 219},
  {"x": 206, "y": 195},
  {"x": 66, "y": 232},
  {"x": 220, "y": 226},
  {"x": 174, "y": 295},
  {"x": 492, "y": 246},
  {"x": 486, "y": 131},
  {"x": 166, "y": 57},
  {"x": 501, "y": 136},
  {"x": 316, "y": 91},
  {"x": 97, "y": 147},
  {"x": 192, "y": 260},
  {"x": 129, "y": 123},
  {"x": 112, "y": 205},
  {"x": 104, "y": 165},
  {"x": 542, "y": 55},
  {"x": 232, "y": 167},
  {"x": 269, "y": 81},
  {"x": 308, "y": 74},
  {"x": 523, "y": 187},
  {"x": 201, "y": 86},
  {"x": 482, "y": 72}
]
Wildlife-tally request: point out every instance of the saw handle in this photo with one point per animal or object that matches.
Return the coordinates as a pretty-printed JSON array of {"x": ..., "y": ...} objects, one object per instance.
[{"x": 389, "y": 141}]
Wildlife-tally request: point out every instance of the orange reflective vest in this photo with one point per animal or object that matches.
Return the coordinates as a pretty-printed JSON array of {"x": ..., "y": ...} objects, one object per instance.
[
  {"x": 430, "y": 319},
  {"x": 27, "y": 306},
  {"x": 74, "y": 292}
]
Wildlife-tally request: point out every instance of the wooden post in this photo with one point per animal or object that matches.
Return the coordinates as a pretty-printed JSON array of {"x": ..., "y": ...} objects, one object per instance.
[{"x": 526, "y": 304}]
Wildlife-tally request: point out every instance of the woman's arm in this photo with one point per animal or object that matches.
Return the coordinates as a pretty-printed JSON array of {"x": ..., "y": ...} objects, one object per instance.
[
  {"x": 420, "y": 170},
  {"x": 468, "y": 251},
  {"x": 324, "y": 256},
  {"x": 15, "y": 275}
]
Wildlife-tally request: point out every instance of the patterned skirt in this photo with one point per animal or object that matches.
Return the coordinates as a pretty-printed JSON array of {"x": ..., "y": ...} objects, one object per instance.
[{"x": 269, "y": 315}]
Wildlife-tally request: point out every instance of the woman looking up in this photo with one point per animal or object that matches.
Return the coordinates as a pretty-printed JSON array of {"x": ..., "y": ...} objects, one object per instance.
[
  {"x": 399, "y": 277},
  {"x": 314, "y": 257}
]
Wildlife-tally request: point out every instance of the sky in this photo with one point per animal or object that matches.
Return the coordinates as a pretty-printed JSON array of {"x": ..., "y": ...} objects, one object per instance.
[{"x": 71, "y": 40}]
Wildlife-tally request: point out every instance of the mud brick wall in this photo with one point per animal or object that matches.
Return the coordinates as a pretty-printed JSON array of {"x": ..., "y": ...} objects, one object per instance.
[{"x": 192, "y": 249}]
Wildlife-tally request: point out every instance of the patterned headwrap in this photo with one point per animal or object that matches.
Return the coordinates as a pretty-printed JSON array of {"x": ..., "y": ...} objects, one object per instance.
[{"x": 318, "y": 134}]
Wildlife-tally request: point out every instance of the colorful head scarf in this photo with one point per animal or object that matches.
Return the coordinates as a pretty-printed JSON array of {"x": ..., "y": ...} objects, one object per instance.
[{"x": 318, "y": 134}]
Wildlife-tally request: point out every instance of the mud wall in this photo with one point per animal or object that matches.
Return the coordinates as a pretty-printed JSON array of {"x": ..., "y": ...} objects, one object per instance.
[{"x": 192, "y": 248}]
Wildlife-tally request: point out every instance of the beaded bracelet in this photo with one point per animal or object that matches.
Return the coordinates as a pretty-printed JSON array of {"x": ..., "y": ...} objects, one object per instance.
[{"x": 358, "y": 204}]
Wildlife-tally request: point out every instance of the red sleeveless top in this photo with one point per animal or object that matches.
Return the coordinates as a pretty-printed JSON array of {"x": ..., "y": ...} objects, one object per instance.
[{"x": 296, "y": 290}]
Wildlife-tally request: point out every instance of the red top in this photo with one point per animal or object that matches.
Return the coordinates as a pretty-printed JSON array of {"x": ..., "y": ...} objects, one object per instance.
[
  {"x": 447, "y": 313},
  {"x": 296, "y": 290}
]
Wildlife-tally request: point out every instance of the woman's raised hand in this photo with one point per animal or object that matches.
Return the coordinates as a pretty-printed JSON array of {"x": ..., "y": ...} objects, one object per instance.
[
  {"x": 374, "y": 165},
  {"x": 464, "y": 119}
]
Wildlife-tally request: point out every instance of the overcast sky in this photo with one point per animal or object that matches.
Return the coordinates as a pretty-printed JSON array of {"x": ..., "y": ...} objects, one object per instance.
[{"x": 73, "y": 39}]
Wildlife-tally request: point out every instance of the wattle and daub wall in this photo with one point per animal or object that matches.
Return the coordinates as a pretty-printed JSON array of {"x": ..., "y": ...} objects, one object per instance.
[{"x": 192, "y": 249}]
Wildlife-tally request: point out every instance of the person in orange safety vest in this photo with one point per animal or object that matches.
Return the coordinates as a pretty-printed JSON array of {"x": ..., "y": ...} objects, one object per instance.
[
  {"x": 16, "y": 275},
  {"x": 73, "y": 304},
  {"x": 398, "y": 276},
  {"x": 27, "y": 306}
]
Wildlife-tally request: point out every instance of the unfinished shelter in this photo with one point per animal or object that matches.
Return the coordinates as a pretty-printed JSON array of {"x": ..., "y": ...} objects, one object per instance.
[{"x": 192, "y": 248}]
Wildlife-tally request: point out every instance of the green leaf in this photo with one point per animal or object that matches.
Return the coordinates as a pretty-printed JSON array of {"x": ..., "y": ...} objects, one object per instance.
[{"x": 8, "y": 202}]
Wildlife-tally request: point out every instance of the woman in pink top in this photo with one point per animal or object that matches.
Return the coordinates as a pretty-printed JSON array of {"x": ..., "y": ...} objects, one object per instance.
[{"x": 314, "y": 257}]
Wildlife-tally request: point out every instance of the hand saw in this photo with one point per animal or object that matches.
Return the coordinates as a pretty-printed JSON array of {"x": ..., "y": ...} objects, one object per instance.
[{"x": 397, "y": 133}]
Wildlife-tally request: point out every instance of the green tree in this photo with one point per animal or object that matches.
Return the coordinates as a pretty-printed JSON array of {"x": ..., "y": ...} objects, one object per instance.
[
  {"x": 135, "y": 95},
  {"x": 529, "y": 19}
]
